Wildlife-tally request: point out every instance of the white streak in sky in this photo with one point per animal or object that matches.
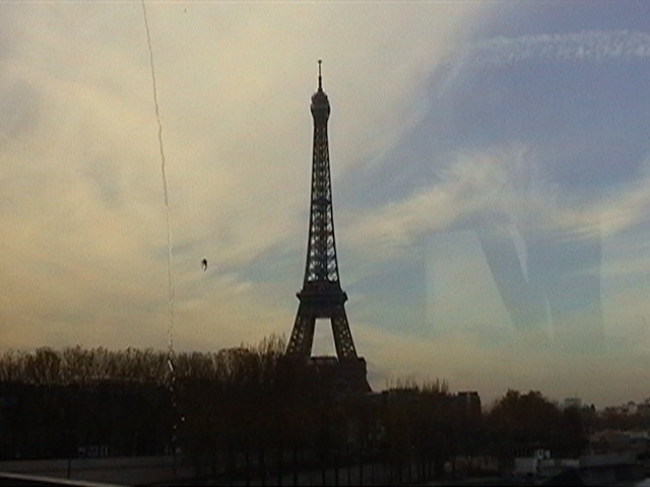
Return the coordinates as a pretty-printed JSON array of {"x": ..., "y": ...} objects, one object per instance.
[
  {"x": 170, "y": 280},
  {"x": 590, "y": 46},
  {"x": 170, "y": 275},
  {"x": 586, "y": 46}
]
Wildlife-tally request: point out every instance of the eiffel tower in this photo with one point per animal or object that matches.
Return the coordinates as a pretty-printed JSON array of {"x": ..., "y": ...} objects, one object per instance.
[{"x": 321, "y": 295}]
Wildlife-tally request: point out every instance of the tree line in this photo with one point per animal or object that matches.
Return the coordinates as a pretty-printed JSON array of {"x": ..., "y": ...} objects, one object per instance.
[{"x": 237, "y": 415}]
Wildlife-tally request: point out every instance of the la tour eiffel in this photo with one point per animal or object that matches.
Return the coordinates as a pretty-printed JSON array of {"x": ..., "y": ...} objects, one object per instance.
[{"x": 321, "y": 295}]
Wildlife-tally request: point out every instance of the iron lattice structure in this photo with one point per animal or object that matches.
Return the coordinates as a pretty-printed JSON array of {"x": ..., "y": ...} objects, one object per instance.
[{"x": 321, "y": 295}]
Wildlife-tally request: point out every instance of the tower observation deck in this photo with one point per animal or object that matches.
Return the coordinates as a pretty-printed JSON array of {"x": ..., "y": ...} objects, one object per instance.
[{"x": 321, "y": 295}]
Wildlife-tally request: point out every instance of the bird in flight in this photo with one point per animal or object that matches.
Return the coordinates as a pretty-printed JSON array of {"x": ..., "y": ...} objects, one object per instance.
[{"x": 204, "y": 264}]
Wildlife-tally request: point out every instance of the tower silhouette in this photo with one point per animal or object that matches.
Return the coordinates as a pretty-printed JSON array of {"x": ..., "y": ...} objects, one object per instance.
[{"x": 321, "y": 295}]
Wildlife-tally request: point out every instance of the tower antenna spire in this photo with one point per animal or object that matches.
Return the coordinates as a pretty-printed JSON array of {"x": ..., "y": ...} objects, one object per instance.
[{"x": 320, "y": 77}]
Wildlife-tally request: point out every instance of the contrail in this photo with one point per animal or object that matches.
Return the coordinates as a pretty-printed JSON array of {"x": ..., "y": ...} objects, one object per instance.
[
  {"x": 579, "y": 47},
  {"x": 589, "y": 46},
  {"x": 161, "y": 147},
  {"x": 170, "y": 275},
  {"x": 155, "y": 101}
]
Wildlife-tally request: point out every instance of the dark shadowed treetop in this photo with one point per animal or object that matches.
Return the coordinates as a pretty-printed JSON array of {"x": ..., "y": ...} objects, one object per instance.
[{"x": 76, "y": 365}]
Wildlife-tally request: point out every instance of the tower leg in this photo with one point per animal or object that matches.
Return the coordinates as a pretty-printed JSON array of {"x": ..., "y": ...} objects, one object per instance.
[
  {"x": 302, "y": 335},
  {"x": 342, "y": 336}
]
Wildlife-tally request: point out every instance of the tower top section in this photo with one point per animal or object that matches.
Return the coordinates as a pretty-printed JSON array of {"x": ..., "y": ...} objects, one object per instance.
[{"x": 320, "y": 105}]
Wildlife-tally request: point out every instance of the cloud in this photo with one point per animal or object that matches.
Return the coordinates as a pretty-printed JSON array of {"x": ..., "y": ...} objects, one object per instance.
[
  {"x": 499, "y": 186},
  {"x": 587, "y": 46},
  {"x": 497, "y": 197},
  {"x": 470, "y": 184},
  {"x": 83, "y": 258}
]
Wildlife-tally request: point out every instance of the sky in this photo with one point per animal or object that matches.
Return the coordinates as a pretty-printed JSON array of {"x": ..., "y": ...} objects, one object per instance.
[{"x": 490, "y": 169}]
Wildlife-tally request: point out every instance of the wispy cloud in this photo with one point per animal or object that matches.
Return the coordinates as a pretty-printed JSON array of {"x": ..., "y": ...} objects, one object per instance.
[
  {"x": 590, "y": 46},
  {"x": 472, "y": 183},
  {"x": 584, "y": 46},
  {"x": 83, "y": 255},
  {"x": 500, "y": 186}
]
